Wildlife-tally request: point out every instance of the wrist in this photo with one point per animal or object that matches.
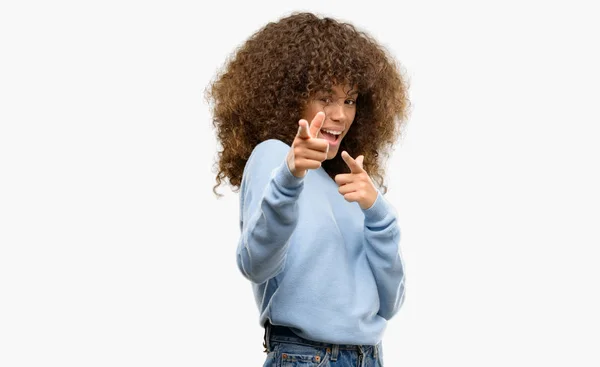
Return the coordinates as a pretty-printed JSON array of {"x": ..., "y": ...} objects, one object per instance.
[
  {"x": 369, "y": 201},
  {"x": 292, "y": 167}
]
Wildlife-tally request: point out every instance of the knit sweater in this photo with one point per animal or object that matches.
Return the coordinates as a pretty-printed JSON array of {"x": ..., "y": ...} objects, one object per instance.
[{"x": 318, "y": 264}]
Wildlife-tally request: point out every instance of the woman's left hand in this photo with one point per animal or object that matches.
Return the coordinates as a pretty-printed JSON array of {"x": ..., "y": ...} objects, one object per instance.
[{"x": 356, "y": 185}]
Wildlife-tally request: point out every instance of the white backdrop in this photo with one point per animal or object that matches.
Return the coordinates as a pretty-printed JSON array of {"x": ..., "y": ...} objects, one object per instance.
[{"x": 115, "y": 252}]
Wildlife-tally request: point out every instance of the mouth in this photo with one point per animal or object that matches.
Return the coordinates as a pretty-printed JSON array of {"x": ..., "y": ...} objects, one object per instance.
[{"x": 332, "y": 136}]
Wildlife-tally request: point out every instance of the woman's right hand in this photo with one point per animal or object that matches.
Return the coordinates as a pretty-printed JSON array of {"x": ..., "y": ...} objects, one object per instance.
[{"x": 308, "y": 151}]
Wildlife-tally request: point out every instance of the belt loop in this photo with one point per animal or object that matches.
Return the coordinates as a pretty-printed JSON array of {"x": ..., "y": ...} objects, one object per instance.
[
  {"x": 267, "y": 337},
  {"x": 334, "y": 352}
]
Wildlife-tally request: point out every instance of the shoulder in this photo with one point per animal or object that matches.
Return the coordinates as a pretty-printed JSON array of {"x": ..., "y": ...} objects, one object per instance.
[
  {"x": 269, "y": 147},
  {"x": 271, "y": 150},
  {"x": 267, "y": 155},
  {"x": 265, "y": 161}
]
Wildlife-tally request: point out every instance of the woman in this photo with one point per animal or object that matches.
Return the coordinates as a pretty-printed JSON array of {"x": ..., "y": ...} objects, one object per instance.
[{"x": 305, "y": 111}]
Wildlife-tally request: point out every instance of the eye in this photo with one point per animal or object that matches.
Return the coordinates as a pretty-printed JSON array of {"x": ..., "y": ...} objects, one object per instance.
[
  {"x": 351, "y": 102},
  {"x": 325, "y": 99}
]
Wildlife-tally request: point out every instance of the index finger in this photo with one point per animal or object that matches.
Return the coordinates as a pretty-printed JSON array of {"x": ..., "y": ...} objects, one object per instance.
[
  {"x": 354, "y": 166},
  {"x": 303, "y": 129}
]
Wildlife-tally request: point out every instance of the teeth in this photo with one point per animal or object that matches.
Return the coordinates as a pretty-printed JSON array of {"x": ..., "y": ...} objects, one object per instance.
[{"x": 332, "y": 132}]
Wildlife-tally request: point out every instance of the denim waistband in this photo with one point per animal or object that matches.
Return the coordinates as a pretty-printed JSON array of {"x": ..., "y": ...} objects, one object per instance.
[{"x": 276, "y": 333}]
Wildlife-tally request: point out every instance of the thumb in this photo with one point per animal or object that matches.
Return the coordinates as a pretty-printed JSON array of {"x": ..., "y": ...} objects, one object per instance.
[
  {"x": 316, "y": 124},
  {"x": 360, "y": 159}
]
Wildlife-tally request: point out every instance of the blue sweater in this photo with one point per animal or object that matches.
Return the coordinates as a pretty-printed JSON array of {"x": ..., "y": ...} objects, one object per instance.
[{"x": 318, "y": 264}]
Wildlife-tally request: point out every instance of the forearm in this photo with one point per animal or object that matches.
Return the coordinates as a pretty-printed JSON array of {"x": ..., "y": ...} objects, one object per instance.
[
  {"x": 269, "y": 221},
  {"x": 388, "y": 271},
  {"x": 382, "y": 238}
]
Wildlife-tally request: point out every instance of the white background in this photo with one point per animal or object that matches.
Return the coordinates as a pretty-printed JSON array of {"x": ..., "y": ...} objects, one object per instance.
[{"x": 115, "y": 252}]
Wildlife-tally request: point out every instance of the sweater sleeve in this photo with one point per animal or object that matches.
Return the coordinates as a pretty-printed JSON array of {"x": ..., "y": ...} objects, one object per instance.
[
  {"x": 268, "y": 211},
  {"x": 382, "y": 237}
]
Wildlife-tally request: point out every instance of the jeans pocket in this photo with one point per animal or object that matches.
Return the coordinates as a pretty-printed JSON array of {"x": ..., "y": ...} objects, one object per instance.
[{"x": 291, "y": 355}]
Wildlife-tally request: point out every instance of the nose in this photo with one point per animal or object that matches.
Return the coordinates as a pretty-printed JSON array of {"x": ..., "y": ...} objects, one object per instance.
[{"x": 336, "y": 112}]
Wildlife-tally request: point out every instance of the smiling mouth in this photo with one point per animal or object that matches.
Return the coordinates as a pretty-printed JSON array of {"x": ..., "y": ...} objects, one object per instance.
[{"x": 332, "y": 138}]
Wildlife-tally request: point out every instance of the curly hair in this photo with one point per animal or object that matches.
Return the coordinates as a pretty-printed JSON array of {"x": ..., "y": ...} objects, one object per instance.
[{"x": 262, "y": 89}]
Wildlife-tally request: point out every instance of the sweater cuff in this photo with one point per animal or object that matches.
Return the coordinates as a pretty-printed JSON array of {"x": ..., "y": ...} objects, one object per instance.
[
  {"x": 378, "y": 211},
  {"x": 284, "y": 177}
]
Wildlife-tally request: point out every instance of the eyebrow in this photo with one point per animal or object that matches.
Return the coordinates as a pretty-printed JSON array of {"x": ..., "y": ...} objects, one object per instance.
[{"x": 348, "y": 94}]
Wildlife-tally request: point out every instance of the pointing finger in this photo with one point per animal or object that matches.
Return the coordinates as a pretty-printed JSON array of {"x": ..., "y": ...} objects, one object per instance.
[
  {"x": 303, "y": 129},
  {"x": 352, "y": 164}
]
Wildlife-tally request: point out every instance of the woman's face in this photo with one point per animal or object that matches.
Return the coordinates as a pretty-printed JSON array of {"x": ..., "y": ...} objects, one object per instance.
[{"x": 339, "y": 108}]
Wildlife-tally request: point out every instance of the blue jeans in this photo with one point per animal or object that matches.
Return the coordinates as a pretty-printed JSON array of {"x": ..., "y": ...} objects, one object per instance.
[{"x": 286, "y": 349}]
